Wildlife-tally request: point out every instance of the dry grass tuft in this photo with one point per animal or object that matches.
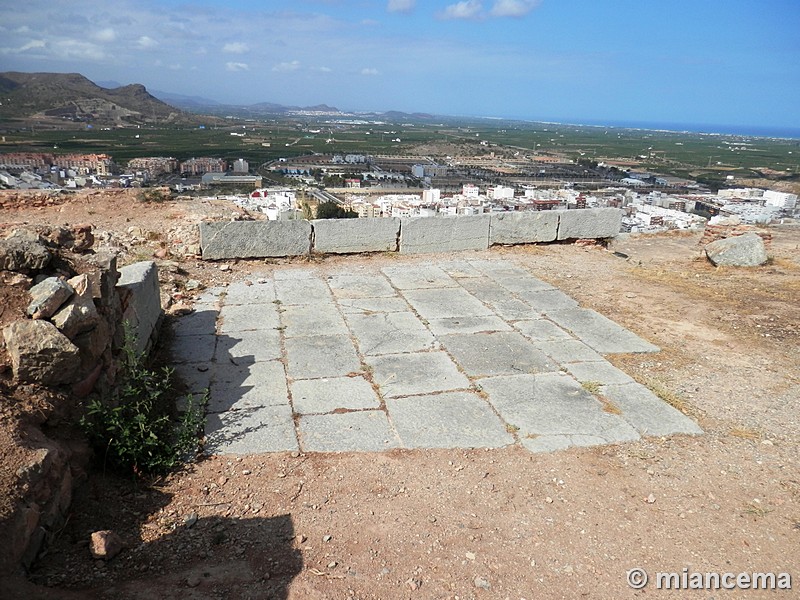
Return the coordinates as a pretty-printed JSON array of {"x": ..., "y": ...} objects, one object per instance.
[{"x": 745, "y": 433}]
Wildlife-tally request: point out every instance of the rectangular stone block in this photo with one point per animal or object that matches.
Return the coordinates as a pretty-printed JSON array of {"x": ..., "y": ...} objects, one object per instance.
[
  {"x": 420, "y": 235},
  {"x": 523, "y": 227},
  {"x": 254, "y": 239},
  {"x": 592, "y": 223},
  {"x": 349, "y": 236},
  {"x": 138, "y": 287}
]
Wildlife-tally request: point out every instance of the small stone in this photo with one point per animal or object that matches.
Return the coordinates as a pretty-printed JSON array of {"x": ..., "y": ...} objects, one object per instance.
[
  {"x": 47, "y": 297},
  {"x": 222, "y": 480},
  {"x": 295, "y": 454},
  {"x": 190, "y": 519},
  {"x": 470, "y": 555},
  {"x": 193, "y": 581},
  {"x": 481, "y": 583},
  {"x": 549, "y": 500},
  {"x": 650, "y": 499},
  {"x": 412, "y": 583},
  {"x": 180, "y": 309},
  {"x": 105, "y": 544},
  {"x": 326, "y": 538},
  {"x": 193, "y": 284},
  {"x": 224, "y": 268},
  {"x": 246, "y": 472},
  {"x": 302, "y": 538},
  {"x": 332, "y": 564},
  {"x": 161, "y": 253}
]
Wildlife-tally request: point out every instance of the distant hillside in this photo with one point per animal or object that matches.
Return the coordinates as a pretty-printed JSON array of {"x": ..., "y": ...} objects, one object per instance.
[{"x": 72, "y": 97}]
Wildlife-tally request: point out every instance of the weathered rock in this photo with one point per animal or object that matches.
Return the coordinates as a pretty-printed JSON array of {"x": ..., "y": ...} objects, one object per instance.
[
  {"x": 141, "y": 301},
  {"x": 740, "y": 251},
  {"x": 82, "y": 237},
  {"x": 105, "y": 544},
  {"x": 419, "y": 235},
  {"x": 23, "y": 251},
  {"x": 40, "y": 353},
  {"x": 47, "y": 297},
  {"x": 346, "y": 236},
  {"x": 80, "y": 313},
  {"x": 587, "y": 223}
]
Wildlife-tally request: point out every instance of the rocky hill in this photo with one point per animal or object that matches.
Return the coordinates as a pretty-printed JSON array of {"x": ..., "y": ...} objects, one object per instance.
[{"x": 72, "y": 97}]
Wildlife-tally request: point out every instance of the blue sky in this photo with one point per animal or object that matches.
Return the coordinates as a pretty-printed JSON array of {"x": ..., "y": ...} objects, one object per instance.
[{"x": 728, "y": 62}]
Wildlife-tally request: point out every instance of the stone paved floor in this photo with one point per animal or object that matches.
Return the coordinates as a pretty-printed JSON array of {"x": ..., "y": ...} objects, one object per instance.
[{"x": 451, "y": 354}]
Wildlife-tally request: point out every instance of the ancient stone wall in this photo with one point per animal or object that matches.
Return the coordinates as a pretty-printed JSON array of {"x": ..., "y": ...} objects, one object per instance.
[{"x": 412, "y": 235}]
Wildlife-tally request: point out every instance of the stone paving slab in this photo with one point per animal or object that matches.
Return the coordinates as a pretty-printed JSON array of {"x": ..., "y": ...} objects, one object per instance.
[
  {"x": 483, "y": 354},
  {"x": 247, "y": 385},
  {"x": 194, "y": 348},
  {"x": 452, "y": 420},
  {"x": 311, "y": 396},
  {"x": 361, "y": 286},
  {"x": 253, "y": 431},
  {"x": 258, "y": 345},
  {"x": 446, "y": 303},
  {"x": 418, "y": 373},
  {"x": 459, "y": 353},
  {"x": 599, "y": 332},
  {"x": 363, "y": 431},
  {"x": 242, "y": 317},
  {"x": 312, "y": 319},
  {"x": 255, "y": 293},
  {"x": 467, "y": 325},
  {"x": 321, "y": 356},
  {"x": 390, "y": 333},
  {"x": 554, "y": 404},
  {"x": 647, "y": 412},
  {"x": 418, "y": 278}
]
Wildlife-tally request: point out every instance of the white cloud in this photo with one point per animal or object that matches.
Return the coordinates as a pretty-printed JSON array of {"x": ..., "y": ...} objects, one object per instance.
[
  {"x": 285, "y": 67},
  {"x": 235, "y": 47},
  {"x": 23, "y": 29},
  {"x": 325, "y": 70},
  {"x": 105, "y": 35},
  {"x": 467, "y": 9},
  {"x": 237, "y": 66},
  {"x": 146, "y": 42},
  {"x": 513, "y": 8},
  {"x": 403, "y": 6},
  {"x": 32, "y": 45},
  {"x": 78, "y": 49},
  {"x": 370, "y": 71}
]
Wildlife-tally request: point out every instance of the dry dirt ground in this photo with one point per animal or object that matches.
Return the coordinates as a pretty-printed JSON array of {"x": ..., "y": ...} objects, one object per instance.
[{"x": 499, "y": 523}]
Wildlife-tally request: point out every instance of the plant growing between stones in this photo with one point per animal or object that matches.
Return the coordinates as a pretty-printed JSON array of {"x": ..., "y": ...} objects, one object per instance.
[{"x": 133, "y": 430}]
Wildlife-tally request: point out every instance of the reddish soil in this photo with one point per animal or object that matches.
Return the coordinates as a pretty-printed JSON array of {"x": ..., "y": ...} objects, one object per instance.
[{"x": 488, "y": 524}]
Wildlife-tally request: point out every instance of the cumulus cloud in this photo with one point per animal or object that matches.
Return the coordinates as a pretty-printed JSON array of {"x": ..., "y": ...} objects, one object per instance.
[
  {"x": 78, "y": 49},
  {"x": 324, "y": 69},
  {"x": 146, "y": 42},
  {"x": 513, "y": 8},
  {"x": 368, "y": 71},
  {"x": 467, "y": 9},
  {"x": 285, "y": 67},
  {"x": 105, "y": 35},
  {"x": 402, "y": 6},
  {"x": 235, "y": 47},
  {"x": 237, "y": 66}
]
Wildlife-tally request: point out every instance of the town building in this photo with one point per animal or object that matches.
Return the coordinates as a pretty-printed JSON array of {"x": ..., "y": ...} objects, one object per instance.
[{"x": 199, "y": 166}]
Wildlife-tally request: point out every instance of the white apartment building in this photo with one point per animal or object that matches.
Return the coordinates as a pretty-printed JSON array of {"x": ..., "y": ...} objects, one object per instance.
[
  {"x": 780, "y": 199},
  {"x": 470, "y": 190},
  {"x": 500, "y": 192},
  {"x": 431, "y": 196}
]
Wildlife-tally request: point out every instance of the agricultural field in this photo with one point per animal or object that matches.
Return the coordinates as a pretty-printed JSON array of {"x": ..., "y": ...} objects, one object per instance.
[{"x": 683, "y": 154}]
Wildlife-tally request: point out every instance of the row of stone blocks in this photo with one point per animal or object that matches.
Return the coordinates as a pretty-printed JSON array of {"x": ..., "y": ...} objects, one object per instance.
[{"x": 414, "y": 235}]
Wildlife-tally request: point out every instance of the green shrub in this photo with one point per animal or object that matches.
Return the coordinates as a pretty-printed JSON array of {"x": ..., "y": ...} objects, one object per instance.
[{"x": 133, "y": 431}]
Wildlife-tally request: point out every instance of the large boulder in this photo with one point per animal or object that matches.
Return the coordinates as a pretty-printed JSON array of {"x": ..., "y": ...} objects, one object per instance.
[
  {"x": 23, "y": 251},
  {"x": 746, "y": 250},
  {"x": 40, "y": 353},
  {"x": 47, "y": 297}
]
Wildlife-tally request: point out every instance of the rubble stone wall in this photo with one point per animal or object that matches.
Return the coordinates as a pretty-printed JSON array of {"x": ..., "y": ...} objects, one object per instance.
[{"x": 65, "y": 345}]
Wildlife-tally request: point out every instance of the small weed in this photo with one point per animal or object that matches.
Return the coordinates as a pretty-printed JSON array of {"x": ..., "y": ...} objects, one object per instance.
[
  {"x": 745, "y": 433},
  {"x": 512, "y": 429},
  {"x": 133, "y": 430},
  {"x": 608, "y": 405},
  {"x": 593, "y": 387},
  {"x": 280, "y": 328},
  {"x": 277, "y": 302},
  {"x": 674, "y": 399},
  {"x": 755, "y": 509}
]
